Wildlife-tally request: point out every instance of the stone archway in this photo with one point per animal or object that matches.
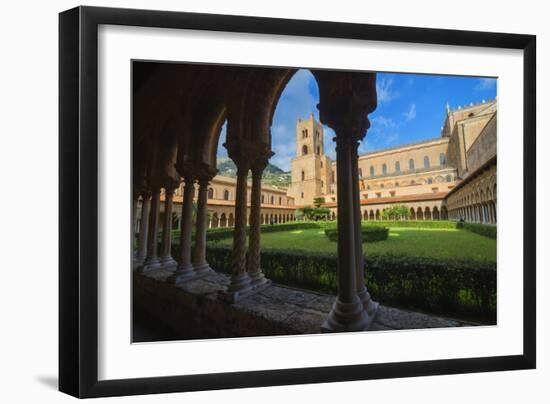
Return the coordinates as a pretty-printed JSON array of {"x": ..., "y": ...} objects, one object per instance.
[
  {"x": 215, "y": 220},
  {"x": 427, "y": 214},
  {"x": 223, "y": 220}
]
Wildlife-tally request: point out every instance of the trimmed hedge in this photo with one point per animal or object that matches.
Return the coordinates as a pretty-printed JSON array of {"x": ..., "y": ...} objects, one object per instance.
[
  {"x": 461, "y": 288},
  {"x": 368, "y": 233},
  {"x": 481, "y": 229}
]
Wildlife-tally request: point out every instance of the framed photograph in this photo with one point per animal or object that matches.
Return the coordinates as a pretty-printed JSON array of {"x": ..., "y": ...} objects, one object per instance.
[{"x": 251, "y": 202}]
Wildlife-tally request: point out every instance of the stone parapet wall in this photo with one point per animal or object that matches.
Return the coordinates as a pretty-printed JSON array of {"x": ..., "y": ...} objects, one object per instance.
[{"x": 193, "y": 310}]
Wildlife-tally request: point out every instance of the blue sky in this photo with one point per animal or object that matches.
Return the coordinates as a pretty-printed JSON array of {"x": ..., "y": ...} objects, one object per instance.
[{"x": 411, "y": 108}]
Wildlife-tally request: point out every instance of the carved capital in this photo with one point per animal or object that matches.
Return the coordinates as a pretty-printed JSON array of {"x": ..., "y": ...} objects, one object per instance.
[{"x": 346, "y": 99}]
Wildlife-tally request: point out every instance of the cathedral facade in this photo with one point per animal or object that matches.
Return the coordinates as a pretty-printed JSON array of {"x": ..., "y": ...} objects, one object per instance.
[{"x": 452, "y": 176}]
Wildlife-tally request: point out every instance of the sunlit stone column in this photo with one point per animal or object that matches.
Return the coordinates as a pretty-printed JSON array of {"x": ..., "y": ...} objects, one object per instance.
[
  {"x": 143, "y": 228},
  {"x": 166, "y": 260},
  {"x": 255, "y": 273},
  {"x": 152, "y": 261},
  {"x": 240, "y": 282},
  {"x": 184, "y": 270},
  {"x": 200, "y": 265},
  {"x": 347, "y": 313},
  {"x": 369, "y": 305}
]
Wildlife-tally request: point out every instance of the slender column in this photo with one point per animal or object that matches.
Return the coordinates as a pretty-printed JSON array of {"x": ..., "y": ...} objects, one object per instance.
[
  {"x": 152, "y": 261},
  {"x": 143, "y": 228},
  {"x": 255, "y": 273},
  {"x": 199, "y": 253},
  {"x": 184, "y": 270},
  {"x": 166, "y": 260},
  {"x": 348, "y": 313},
  {"x": 240, "y": 282},
  {"x": 135, "y": 201},
  {"x": 369, "y": 305}
]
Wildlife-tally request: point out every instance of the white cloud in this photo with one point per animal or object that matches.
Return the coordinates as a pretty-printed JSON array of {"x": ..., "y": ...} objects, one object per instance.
[
  {"x": 381, "y": 121},
  {"x": 485, "y": 84},
  {"x": 384, "y": 90},
  {"x": 411, "y": 113}
]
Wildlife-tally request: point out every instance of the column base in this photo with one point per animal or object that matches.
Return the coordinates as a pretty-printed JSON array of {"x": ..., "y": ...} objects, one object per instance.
[
  {"x": 150, "y": 264},
  {"x": 168, "y": 263},
  {"x": 239, "y": 288},
  {"x": 137, "y": 262},
  {"x": 348, "y": 317},
  {"x": 258, "y": 280},
  {"x": 370, "y": 306},
  {"x": 184, "y": 273},
  {"x": 202, "y": 269}
]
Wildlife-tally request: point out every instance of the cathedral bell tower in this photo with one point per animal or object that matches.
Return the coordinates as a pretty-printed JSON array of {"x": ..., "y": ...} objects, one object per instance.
[{"x": 310, "y": 167}]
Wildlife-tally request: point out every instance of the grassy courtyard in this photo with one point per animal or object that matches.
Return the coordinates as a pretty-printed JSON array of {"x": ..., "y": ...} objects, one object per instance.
[{"x": 415, "y": 242}]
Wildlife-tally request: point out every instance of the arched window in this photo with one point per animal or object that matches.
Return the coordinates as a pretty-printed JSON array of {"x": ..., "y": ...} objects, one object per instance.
[
  {"x": 226, "y": 195},
  {"x": 210, "y": 193},
  {"x": 448, "y": 178},
  {"x": 442, "y": 159},
  {"x": 371, "y": 171},
  {"x": 303, "y": 175},
  {"x": 426, "y": 162},
  {"x": 304, "y": 133},
  {"x": 263, "y": 198},
  {"x": 411, "y": 164},
  {"x": 430, "y": 180},
  {"x": 384, "y": 168},
  {"x": 318, "y": 150},
  {"x": 397, "y": 166},
  {"x": 272, "y": 200},
  {"x": 280, "y": 200},
  {"x": 304, "y": 150}
]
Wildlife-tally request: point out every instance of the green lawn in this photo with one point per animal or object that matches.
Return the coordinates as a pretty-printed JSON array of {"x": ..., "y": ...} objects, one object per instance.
[{"x": 434, "y": 243}]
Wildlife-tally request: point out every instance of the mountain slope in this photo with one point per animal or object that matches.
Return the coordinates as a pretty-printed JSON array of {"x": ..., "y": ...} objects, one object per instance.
[{"x": 273, "y": 175}]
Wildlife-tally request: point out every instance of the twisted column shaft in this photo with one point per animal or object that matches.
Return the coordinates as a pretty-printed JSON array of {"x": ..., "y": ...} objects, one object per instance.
[
  {"x": 199, "y": 253},
  {"x": 152, "y": 261},
  {"x": 240, "y": 282},
  {"x": 143, "y": 227},
  {"x": 166, "y": 259},
  {"x": 255, "y": 273},
  {"x": 184, "y": 270}
]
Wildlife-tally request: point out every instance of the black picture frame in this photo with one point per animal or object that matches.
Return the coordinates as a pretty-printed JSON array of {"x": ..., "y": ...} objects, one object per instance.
[{"x": 78, "y": 206}]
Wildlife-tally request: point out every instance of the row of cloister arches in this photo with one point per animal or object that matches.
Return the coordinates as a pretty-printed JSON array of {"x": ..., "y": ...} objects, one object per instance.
[
  {"x": 476, "y": 201},
  {"x": 418, "y": 213},
  {"x": 216, "y": 220}
]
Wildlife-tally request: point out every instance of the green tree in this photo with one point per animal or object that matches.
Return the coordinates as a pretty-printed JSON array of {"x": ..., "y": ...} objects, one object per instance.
[
  {"x": 318, "y": 201},
  {"x": 320, "y": 213},
  {"x": 304, "y": 213},
  {"x": 396, "y": 212}
]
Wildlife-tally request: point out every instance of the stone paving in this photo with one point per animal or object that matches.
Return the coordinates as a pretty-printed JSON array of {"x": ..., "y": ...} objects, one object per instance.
[{"x": 297, "y": 311}]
